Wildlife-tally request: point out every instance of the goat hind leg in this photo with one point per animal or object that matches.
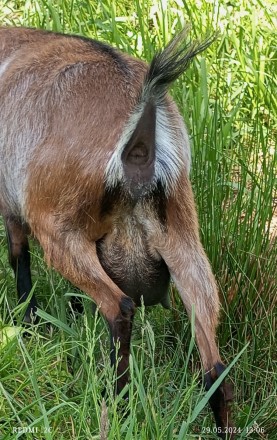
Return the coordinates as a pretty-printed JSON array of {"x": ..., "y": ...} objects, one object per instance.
[
  {"x": 86, "y": 273},
  {"x": 179, "y": 246},
  {"x": 195, "y": 283}
]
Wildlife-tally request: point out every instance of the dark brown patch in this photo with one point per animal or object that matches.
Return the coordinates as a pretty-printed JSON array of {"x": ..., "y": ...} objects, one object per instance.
[
  {"x": 158, "y": 200},
  {"x": 111, "y": 197}
]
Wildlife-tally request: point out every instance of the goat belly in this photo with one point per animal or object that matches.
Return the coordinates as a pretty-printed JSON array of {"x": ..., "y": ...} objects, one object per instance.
[{"x": 125, "y": 257}]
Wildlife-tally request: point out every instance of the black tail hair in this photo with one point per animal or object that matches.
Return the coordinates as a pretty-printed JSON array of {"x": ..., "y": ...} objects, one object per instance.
[{"x": 169, "y": 64}]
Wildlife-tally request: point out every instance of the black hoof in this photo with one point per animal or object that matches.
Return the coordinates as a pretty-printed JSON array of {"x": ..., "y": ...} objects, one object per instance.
[
  {"x": 220, "y": 402},
  {"x": 30, "y": 316}
]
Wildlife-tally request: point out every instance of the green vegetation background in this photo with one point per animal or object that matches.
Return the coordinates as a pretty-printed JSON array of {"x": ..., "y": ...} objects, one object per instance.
[{"x": 51, "y": 381}]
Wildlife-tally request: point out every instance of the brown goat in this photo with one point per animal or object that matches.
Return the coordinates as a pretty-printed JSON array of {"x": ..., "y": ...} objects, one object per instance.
[{"x": 94, "y": 163}]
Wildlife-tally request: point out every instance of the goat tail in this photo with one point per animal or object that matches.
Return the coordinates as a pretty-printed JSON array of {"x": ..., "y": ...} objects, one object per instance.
[
  {"x": 168, "y": 64},
  {"x": 146, "y": 151}
]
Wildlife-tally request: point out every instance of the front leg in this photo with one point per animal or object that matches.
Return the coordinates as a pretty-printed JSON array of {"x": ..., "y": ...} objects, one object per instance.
[{"x": 19, "y": 257}]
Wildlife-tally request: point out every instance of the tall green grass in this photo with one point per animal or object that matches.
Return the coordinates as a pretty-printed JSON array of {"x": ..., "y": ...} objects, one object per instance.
[{"x": 51, "y": 381}]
